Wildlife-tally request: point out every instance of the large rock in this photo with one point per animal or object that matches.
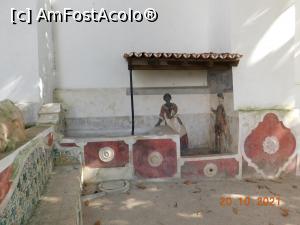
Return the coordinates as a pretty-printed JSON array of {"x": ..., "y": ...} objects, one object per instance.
[{"x": 12, "y": 128}]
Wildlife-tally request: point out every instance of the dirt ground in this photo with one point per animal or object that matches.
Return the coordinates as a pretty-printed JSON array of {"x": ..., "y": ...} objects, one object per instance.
[{"x": 248, "y": 202}]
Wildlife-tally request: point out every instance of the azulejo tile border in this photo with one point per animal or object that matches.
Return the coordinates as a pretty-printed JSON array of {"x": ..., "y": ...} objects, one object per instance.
[{"x": 31, "y": 169}]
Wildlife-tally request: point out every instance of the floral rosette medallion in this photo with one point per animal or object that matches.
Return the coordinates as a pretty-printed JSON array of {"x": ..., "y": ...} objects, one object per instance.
[{"x": 270, "y": 145}]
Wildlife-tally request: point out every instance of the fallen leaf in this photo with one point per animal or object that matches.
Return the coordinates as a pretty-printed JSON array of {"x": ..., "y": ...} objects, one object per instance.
[
  {"x": 198, "y": 190},
  {"x": 269, "y": 189},
  {"x": 284, "y": 211},
  {"x": 250, "y": 180},
  {"x": 235, "y": 210},
  {"x": 97, "y": 222},
  {"x": 86, "y": 203},
  {"x": 260, "y": 186},
  {"x": 89, "y": 189},
  {"x": 198, "y": 187},
  {"x": 141, "y": 186},
  {"x": 188, "y": 182},
  {"x": 276, "y": 181}
]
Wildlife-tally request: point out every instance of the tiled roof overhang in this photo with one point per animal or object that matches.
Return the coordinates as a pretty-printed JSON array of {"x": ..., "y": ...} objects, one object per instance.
[{"x": 180, "y": 61}]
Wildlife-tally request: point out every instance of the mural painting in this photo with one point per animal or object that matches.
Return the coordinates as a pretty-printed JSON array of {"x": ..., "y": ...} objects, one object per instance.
[
  {"x": 221, "y": 127},
  {"x": 168, "y": 115}
]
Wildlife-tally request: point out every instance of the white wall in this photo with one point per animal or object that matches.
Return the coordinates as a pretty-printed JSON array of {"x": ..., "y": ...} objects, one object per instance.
[
  {"x": 297, "y": 43},
  {"x": 166, "y": 78},
  {"x": 107, "y": 102},
  {"x": 263, "y": 31},
  {"x": 219, "y": 26},
  {"x": 296, "y": 49},
  {"x": 26, "y": 70},
  {"x": 18, "y": 56},
  {"x": 93, "y": 75},
  {"x": 45, "y": 55},
  {"x": 90, "y": 55}
]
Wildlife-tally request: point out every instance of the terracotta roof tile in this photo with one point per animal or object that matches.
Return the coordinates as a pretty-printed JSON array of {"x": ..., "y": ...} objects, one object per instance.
[{"x": 210, "y": 55}]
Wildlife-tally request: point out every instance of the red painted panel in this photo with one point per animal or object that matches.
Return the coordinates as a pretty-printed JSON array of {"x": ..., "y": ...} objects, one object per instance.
[
  {"x": 167, "y": 149},
  {"x": 92, "y": 159},
  {"x": 5, "y": 181},
  {"x": 271, "y": 126},
  {"x": 194, "y": 169}
]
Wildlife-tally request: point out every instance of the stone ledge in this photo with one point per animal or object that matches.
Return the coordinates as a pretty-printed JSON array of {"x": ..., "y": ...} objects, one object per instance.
[{"x": 60, "y": 203}]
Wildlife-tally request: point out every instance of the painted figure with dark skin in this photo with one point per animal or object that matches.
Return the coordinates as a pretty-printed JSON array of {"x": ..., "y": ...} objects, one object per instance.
[
  {"x": 168, "y": 114},
  {"x": 221, "y": 126}
]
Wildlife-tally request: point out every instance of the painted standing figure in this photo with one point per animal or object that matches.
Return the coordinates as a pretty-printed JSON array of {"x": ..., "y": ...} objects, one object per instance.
[
  {"x": 168, "y": 114},
  {"x": 221, "y": 126}
]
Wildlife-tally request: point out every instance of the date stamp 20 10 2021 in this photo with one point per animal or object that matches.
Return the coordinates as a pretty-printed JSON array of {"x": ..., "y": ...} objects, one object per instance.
[{"x": 248, "y": 201}]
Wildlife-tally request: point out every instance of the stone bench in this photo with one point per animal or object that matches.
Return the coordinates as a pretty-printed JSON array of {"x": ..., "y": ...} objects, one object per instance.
[
  {"x": 23, "y": 175},
  {"x": 26, "y": 160},
  {"x": 60, "y": 204}
]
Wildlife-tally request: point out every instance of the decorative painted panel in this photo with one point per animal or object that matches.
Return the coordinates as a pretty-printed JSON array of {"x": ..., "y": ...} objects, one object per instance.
[
  {"x": 223, "y": 167},
  {"x": 269, "y": 146},
  {"x": 106, "y": 154},
  {"x": 5, "y": 181},
  {"x": 155, "y": 158}
]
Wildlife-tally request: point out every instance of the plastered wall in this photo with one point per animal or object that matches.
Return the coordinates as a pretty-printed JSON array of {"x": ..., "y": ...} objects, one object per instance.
[
  {"x": 264, "y": 32},
  {"x": 27, "y": 60}
]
